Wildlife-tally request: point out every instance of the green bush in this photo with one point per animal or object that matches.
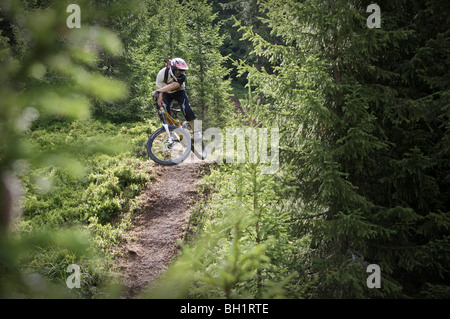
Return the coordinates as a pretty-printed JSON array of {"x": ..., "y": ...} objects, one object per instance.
[{"x": 93, "y": 190}]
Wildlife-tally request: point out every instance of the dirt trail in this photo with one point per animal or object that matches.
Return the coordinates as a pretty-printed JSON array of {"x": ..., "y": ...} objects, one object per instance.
[{"x": 151, "y": 244}]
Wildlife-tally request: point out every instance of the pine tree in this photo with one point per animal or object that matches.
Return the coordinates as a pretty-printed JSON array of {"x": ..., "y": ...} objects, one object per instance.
[
  {"x": 208, "y": 88},
  {"x": 365, "y": 127},
  {"x": 48, "y": 73},
  {"x": 169, "y": 20},
  {"x": 136, "y": 66}
]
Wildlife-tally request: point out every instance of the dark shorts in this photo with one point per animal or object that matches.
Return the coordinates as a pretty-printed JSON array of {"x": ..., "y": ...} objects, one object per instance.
[{"x": 183, "y": 101}]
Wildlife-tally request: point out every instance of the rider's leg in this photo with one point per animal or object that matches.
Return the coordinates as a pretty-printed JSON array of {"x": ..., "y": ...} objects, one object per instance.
[
  {"x": 188, "y": 113},
  {"x": 168, "y": 101},
  {"x": 196, "y": 127}
]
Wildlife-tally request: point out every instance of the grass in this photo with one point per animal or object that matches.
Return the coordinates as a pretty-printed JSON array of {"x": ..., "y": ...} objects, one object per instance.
[{"x": 76, "y": 206}]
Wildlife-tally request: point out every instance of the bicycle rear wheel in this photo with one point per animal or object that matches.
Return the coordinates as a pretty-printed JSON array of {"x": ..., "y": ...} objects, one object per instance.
[
  {"x": 166, "y": 152},
  {"x": 199, "y": 149}
]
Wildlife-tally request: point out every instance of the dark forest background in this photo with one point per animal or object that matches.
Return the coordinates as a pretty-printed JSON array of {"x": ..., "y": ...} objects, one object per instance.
[{"x": 363, "y": 115}]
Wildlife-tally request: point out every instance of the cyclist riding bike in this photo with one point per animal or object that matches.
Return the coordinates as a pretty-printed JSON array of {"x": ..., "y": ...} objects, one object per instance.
[{"x": 171, "y": 83}]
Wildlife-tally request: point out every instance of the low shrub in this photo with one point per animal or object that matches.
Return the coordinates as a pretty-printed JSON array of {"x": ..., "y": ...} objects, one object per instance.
[{"x": 95, "y": 170}]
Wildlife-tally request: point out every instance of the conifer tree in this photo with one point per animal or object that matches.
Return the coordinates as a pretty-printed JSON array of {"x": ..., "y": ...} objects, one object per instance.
[
  {"x": 207, "y": 84},
  {"x": 365, "y": 126},
  {"x": 136, "y": 66},
  {"x": 169, "y": 20},
  {"x": 48, "y": 73}
]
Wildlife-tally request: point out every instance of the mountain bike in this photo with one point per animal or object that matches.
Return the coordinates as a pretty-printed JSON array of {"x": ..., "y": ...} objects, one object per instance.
[{"x": 171, "y": 144}]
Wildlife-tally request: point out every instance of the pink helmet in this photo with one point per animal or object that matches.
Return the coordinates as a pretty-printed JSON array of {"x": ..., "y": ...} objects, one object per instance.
[{"x": 178, "y": 64}]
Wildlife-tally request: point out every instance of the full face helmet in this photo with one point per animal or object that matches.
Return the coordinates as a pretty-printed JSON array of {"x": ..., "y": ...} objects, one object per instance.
[{"x": 178, "y": 64}]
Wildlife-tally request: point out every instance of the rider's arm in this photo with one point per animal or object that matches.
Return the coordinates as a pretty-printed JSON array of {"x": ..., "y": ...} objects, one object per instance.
[{"x": 167, "y": 88}]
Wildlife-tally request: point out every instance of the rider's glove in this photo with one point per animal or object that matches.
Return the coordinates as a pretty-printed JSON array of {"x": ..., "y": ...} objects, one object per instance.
[{"x": 156, "y": 95}]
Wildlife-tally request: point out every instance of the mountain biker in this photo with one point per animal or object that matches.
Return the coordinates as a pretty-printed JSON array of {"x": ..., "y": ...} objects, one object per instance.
[{"x": 171, "y": 83}]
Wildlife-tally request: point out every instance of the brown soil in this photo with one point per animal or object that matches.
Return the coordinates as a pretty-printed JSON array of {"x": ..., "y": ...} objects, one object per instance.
[{"x": 151, "y": 244}]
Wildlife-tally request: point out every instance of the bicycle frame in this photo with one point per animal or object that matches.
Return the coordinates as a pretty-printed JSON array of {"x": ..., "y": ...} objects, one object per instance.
[
  {"x": 167, "y": 120},
  {"x": 184, "y": 136}
]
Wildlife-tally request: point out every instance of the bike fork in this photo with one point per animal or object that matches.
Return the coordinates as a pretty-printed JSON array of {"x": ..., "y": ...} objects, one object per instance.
[
  {"x": 166, "y": 128},
  {"x": 169, "y": 137}
]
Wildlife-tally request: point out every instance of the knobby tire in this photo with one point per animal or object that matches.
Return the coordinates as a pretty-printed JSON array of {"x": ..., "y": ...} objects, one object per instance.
[{"x": 160, "y": 155}]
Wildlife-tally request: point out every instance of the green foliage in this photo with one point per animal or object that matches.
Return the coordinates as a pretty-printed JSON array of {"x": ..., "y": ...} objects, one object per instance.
[
  {"x": 364, "y": 145},
  {"x": 71, "y": 171},
  {"x": 49, "y": 75},
  {"x": 213, "y": 267},
  {"x": 36, "y": 266},
  {"x": 238, "y": 238},
  {"x": 110, "y": 174},
  {"x": 236, "y": 48},
  {"x": 208, "y": 90},
  {"x": 364, "y": 129},
  {"x": 93, "y": 197},
  {"x": 164, "y": 30},
  {"x": 137, "y": 66}
]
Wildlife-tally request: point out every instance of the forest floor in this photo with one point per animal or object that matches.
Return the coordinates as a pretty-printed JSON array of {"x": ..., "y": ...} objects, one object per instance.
[{"x": 151, "y": 243}]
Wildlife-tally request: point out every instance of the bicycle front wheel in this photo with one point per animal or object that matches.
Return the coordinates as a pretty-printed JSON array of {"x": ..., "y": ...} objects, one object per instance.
[{"x": 169, "y": 151}]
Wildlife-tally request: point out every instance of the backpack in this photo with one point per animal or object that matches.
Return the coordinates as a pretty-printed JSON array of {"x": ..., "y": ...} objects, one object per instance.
[{"x": 166, "y": 73}]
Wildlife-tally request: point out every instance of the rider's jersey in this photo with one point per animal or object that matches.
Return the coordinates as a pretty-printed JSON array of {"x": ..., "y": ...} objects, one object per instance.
[{"x": 160, "y": 80}]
